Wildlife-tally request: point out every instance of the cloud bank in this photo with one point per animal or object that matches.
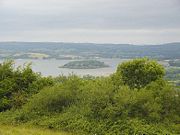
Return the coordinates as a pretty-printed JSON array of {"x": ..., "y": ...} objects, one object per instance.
[{"x": 112, "y": 21}]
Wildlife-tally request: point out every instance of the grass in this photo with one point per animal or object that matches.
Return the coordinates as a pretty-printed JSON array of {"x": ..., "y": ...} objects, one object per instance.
[
  {"x": 10, "y": 130},
  {"x": 38, "y": 55}
]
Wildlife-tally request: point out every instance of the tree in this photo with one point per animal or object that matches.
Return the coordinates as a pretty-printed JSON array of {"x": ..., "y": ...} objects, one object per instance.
[
  {"x": 138, "y": 73},
  {"x": 18, "y": 84}
]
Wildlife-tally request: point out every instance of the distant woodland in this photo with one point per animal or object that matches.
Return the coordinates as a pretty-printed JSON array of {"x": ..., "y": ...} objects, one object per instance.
[{"x": 58, "y": 50}]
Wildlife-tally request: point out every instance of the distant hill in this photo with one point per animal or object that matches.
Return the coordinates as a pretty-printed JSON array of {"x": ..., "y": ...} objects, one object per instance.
[{"x": 60, "y": 50}]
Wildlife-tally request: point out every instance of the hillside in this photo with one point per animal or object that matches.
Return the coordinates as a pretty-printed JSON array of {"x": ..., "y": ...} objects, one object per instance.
[{"x": 60, "y": 50}]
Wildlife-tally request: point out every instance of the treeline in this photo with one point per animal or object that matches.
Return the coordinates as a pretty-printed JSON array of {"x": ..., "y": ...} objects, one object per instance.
[
  {"x": 89, "y": 50},
  {"x": 173, "y": 75},
  {"x": 174, "y": 63},
  {"x": 134, "y": 100}
]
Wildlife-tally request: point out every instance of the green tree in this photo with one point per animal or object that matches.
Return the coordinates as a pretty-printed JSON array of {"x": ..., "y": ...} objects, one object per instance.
[
  {"x": 138, "y": 73},
  {"x": 17, "y": 85}
]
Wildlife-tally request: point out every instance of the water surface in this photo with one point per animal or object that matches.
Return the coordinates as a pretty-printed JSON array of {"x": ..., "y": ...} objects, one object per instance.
[{"x": 50, "y": 67}]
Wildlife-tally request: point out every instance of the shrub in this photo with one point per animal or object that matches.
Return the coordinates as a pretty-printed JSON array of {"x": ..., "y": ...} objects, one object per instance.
[
  {"x": 100, "y": 106},
  {"x": 138, "y": 73},
  {"x": 17, "y": 85},
  {"x": 55, "y": 99}
]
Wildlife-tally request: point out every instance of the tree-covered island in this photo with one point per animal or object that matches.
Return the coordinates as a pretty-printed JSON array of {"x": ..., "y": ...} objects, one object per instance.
[{"x": 85, "y": 64}]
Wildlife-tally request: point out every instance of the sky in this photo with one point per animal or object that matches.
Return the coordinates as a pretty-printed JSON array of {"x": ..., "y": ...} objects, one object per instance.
[{"x": 95, "y": 21}]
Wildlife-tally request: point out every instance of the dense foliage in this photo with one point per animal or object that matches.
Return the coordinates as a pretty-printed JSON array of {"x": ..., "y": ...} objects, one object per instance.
[
  {"x": 17, "y": 85},
  {"x": 139, "y": 72},
  {"x": 103, "y": 106}
]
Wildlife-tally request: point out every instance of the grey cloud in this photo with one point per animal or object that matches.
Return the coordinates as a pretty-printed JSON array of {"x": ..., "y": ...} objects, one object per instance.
[
  {"x": 37, "y": 15},
  {"x": 114, "y": 14}
]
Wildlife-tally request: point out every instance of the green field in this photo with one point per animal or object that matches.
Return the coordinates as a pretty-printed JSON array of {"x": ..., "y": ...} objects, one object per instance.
[{"x": 10, "y": 130}]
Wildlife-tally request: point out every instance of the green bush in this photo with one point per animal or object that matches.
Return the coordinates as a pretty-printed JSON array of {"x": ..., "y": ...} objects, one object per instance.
[
  {"x": 138, "y": 73},
  {"x": 101, "y": 106},
  {"x": 55, "y": 99},
  {"x": 17, "y": 85},
  {"x": 96, "y": 107}
]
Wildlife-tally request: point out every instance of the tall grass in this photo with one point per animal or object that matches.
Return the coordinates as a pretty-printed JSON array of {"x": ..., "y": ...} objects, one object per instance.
[{"x": 9, "y": 130}]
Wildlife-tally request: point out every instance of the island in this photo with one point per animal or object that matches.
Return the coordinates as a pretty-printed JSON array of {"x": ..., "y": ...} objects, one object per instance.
[{"x": 85, "y": 64}]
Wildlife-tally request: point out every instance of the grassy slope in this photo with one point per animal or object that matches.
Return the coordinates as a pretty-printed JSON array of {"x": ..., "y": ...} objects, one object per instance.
[{"x": 9, "y": 130}]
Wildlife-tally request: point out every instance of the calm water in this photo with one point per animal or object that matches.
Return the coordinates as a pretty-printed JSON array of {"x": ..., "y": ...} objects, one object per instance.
[{"x": 51, "y": 67}]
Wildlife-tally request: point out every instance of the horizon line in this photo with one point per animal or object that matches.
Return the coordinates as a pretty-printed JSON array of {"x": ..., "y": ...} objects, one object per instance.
[{"x": 90, "y": 43}]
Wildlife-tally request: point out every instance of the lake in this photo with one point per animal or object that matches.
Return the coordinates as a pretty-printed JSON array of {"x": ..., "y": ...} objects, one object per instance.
[{"x": 50, "y": 67}]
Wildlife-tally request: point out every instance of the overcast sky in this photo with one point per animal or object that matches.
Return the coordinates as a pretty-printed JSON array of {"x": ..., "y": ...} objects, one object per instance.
[{"x": 99, "y": 21}]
